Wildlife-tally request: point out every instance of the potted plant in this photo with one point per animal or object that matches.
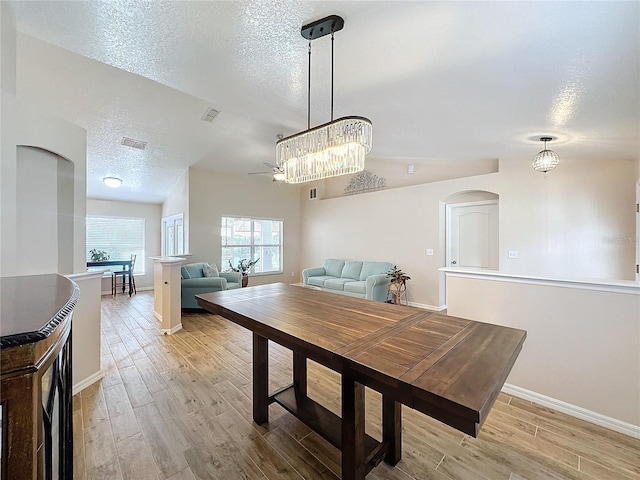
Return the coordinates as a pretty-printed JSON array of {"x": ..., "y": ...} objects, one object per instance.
[
  {"x": 98, "y": 255},
  {"x": 243, "y": 267},
  {"x": 397, "y": 284}
]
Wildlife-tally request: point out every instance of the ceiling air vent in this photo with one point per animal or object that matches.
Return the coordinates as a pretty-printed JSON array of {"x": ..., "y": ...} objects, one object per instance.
[
  {"x": 130, "y": 142},
  {"x": 210, "y": 114}
]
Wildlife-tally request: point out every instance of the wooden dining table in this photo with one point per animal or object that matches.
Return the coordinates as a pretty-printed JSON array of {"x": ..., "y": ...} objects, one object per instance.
[
  {"x": 126, "y": 267},
  {"x": 451, "y": 369}
]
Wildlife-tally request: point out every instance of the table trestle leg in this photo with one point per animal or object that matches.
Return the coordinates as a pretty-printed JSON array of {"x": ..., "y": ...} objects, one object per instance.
[
  {"x": 300, "y": 374},
  {"x": 392, "y": 429},
  {"x": 260, "y": 379},
  {"x": 353, "y": 434}
]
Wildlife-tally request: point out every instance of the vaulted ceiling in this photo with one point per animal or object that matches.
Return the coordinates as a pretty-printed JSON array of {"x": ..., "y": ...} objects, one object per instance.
[{"x": 441, "y": 81}]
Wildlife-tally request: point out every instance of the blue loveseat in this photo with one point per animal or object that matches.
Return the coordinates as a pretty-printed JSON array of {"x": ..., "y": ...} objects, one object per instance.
[
  {"x": 358, "y": 279},
  {"x": 194, "y": 282}
]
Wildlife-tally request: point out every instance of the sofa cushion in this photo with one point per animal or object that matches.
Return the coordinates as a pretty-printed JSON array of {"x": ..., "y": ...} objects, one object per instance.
[
  {"x": 351, "y": 270},
  {"x": 192, "y": 270},
  {"x": 210, "y": 270},
  {"x": 319, "y": 280},
  {"x": 372, "y": 268},
  {"x": 202, "y": 284},
  {"x": 356, "y": 287},
  {"x": 333, "y": 267},
  {"x": 336, "y": 283}
]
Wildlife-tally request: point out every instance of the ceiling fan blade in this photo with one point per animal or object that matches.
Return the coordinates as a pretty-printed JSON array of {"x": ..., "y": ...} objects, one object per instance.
[
  {"x": 258, "y": 173},
  {"x": 269, "y": 165}
]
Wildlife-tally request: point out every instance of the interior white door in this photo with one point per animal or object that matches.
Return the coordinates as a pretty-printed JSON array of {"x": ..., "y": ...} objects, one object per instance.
[{"x": 472, "y": 235}]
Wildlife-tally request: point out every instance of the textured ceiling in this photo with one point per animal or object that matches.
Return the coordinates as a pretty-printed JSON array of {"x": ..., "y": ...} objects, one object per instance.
[{"x": 439, "y": 80}]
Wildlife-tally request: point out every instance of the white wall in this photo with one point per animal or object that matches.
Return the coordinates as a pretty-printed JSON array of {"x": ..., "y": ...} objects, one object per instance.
[
  {"x": 152, "y": 213},
  {"x": 178, "y": 202},
  {"x": 25, "y": 124},
  {"x": 212, "y": 195},
  {"x": 7, "y": 48},
  {"x": 583, "y": 340},
  {"x": 86, "y": 360},
  {"x": 567, "y": 224}
]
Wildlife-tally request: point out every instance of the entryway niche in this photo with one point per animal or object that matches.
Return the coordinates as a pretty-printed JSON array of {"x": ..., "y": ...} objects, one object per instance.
[{"x": 44, "y": 211}]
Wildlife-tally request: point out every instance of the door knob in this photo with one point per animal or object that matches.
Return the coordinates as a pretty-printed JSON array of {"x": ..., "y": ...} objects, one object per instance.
[{"x": 453, "y": 262}]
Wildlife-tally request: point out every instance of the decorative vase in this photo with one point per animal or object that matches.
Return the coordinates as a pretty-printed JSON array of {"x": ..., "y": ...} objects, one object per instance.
[{"x": 245, "y": 280}]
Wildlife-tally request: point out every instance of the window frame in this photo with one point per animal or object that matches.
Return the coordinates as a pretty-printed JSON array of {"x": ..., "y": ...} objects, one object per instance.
[
  {"x": 140, "y": 263},
  {"x": 253, "y": 246},
  {"x": 172, "y": 220}
]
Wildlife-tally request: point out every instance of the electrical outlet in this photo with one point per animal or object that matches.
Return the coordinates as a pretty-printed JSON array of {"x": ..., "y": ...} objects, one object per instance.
[
  {"x": 429, "y": 251},
  {"x": 513, "y": 254}
]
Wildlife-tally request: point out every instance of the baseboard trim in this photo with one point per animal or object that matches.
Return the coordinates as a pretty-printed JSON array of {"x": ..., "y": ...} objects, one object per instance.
[
  {"x": 171, "y": 331},
  {"x": 138, "y": 289},
  {"x": 428, "y": 307},
  {"x": 78, "y": 387},
  {"x": 573, "y": 410}
]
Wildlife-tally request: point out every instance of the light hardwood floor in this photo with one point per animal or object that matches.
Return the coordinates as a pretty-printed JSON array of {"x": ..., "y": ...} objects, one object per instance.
[{"x": 179, "y": 407}]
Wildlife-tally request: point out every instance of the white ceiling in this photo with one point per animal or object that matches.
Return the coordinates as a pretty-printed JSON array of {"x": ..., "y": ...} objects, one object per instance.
[{"x": 439, "y": 80}]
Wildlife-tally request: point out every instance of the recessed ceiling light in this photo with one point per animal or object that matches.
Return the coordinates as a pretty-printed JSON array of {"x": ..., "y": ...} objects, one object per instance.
[
  {"x": 113, "y": 182},
  {"x": 130, "y": 142},
  {"x": 210, "y": 114}
]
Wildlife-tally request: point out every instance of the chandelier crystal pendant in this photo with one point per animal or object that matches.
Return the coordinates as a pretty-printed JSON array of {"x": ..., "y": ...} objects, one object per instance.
[
  {"x": 545, "y": 160},
  {"x": 329, "y": 150}
]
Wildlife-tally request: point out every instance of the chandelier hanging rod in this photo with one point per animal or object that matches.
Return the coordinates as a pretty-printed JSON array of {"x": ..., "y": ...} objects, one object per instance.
[
  {"x": 317, "y": 29},
  {"x": 309, "y": 92}
]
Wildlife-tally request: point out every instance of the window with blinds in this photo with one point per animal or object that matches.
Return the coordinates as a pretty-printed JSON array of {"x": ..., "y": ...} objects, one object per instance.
[{"x": 120, "y": 237}]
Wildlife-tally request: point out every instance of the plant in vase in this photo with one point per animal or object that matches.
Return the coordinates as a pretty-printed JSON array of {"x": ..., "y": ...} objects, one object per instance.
[
  {"x": 397, "y": 284},
  {"x": 243, "y": 267},
  {"x": 98, "y": 255}
]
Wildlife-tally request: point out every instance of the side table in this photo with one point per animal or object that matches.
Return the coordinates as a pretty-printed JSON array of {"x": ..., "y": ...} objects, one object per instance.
[{"x": 398, "y": 292}]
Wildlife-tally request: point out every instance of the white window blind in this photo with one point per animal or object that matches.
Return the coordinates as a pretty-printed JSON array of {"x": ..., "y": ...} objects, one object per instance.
[
  {"x": 253, "y": 238},
  {"x": 120, "y": 237}
]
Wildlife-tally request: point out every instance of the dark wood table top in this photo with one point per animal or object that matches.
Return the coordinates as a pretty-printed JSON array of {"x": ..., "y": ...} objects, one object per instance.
[
  {"x": 108, "y": 263},
  {"x": 448, "y": 368}
]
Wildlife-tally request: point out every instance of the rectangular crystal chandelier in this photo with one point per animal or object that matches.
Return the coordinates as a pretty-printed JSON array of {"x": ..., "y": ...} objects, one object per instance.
[{"x": 335, "y": 148}]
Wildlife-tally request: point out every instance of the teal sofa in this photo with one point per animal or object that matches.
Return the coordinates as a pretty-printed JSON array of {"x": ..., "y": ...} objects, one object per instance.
[
  {"x": 194, "y": 282},
  {"x": 357, "y": 279}
]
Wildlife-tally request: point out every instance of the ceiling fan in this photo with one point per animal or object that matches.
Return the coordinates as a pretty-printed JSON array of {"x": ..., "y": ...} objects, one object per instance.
[{"x": 277, "y": 172}]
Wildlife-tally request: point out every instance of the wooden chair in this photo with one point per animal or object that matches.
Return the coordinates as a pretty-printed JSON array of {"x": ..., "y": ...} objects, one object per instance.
[{"x": 120, "y": 278}]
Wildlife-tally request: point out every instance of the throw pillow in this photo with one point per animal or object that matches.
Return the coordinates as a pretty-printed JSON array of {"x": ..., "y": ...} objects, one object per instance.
[
  {"x": 210, "y": 270},
  {"x": 184, "y": 273}
]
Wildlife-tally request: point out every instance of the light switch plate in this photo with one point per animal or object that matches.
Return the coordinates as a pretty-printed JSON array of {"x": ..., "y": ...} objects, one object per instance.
[
  {"x": 513, "y": 254},
  {"x": 429, "y": 251}
]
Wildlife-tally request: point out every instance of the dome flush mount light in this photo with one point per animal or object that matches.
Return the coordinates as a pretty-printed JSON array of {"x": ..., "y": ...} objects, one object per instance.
[{"x": 113, "y": 182}]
